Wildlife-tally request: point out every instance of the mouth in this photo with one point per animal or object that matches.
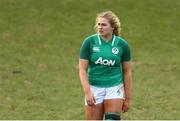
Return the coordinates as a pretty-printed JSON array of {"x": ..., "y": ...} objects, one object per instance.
[{"x": 100, "y": 31}]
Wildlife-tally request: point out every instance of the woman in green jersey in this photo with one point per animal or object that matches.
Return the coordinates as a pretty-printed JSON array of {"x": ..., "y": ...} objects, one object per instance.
[{"x": 105, "y": 70}]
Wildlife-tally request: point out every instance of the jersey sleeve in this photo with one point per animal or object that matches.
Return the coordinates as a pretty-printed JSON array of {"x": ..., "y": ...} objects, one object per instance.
[
  {"x": 126, "y": 56},
  {"x": 85, "y": 49}
]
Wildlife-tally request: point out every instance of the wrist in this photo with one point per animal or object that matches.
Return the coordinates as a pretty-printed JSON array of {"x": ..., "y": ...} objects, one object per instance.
[
  {"x": 127, "y": 98},
  {"x": 86, "y": 90}
]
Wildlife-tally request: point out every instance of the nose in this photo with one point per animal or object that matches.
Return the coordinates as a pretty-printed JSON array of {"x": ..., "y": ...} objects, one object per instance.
[{"x": 100, "y": 26}]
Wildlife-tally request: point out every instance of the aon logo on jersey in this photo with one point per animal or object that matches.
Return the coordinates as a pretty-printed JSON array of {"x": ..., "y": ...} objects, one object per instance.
[{"x": 105, "y": 62}]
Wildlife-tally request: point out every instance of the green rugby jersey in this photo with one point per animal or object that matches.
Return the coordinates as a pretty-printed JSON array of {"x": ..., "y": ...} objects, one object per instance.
[{"x": 105, "y": 58}]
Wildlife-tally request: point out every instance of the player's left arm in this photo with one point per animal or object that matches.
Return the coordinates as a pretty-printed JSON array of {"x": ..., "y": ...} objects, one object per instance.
[{"x": 127, "y": 75}]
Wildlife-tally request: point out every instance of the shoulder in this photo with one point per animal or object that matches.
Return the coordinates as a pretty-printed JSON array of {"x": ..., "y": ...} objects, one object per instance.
[
  {"x": 91, "y": 39},
  {"x": 122, "y": 42}
]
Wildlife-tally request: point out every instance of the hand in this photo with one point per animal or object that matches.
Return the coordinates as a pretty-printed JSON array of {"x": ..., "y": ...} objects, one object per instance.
[
  {"x": 90, "y": 99},
  {"x": 126, "y": 105}
]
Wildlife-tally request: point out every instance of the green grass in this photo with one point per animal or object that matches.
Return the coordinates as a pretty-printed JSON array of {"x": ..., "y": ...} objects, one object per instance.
[{"x": 39, "y": 50}]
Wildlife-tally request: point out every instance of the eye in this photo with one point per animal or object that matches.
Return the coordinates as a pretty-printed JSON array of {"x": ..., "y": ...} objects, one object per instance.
[{"x": 103, "y": 24}]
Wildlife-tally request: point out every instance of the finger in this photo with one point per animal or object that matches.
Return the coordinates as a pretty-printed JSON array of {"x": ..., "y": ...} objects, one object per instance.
[
  {"x": 94, "y": 99},
  {"x": 90, "y": 102},
  {"x": 125, "y": 108}
]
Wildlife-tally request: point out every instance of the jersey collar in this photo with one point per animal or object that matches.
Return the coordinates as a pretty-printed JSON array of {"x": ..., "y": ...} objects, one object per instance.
[{"x": 101, "y": 42}]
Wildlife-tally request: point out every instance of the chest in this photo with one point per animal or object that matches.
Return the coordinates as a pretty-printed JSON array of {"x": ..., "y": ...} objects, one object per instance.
[{"x": 105, "y": 54}]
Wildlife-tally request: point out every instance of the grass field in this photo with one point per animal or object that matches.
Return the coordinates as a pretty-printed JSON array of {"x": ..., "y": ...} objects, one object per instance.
[{"x": 39, "y": 51}]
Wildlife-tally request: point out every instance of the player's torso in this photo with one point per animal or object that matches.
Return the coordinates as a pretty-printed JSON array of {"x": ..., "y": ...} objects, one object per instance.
[
  {"x": 104, "y": 68},
  {"x": 105, "y": 53}
]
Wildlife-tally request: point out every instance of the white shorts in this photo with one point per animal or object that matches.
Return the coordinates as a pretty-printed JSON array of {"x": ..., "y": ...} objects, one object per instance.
[{"x": 101, "y": 94}]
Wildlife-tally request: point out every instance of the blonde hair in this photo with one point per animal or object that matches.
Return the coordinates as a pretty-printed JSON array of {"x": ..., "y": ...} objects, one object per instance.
[{"x": 113, "y": 20}]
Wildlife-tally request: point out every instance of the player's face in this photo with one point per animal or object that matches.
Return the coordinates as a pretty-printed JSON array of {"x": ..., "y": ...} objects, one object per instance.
[{"x": 103, "y": 26}]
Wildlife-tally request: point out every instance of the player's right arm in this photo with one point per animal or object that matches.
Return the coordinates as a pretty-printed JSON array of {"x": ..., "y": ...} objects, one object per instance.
[
  {"x": 83, "y": 67},
  {"x": 83, "y": 71}
]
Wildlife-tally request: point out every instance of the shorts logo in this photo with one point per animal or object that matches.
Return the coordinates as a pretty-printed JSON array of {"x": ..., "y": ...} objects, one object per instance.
[
  {"x": 115, "y": 50},
  {"x": 119, "y": 92},
  {"x": 96, "y": 49}
]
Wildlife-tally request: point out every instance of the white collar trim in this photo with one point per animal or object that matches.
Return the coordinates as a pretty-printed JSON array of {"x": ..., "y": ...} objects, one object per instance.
[{"x": 111, "y": 43}]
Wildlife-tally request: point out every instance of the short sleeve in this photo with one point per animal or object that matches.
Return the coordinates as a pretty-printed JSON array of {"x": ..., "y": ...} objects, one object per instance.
[
  {"x": 85, "y": 49},
  {"x": 126, "y": 56}
]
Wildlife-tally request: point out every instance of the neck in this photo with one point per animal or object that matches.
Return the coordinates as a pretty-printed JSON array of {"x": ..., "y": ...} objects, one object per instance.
[{"x": 107, "y": 37}]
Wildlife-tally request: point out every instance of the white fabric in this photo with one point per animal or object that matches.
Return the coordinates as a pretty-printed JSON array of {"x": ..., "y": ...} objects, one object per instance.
[{"x": 101, "y": 94}]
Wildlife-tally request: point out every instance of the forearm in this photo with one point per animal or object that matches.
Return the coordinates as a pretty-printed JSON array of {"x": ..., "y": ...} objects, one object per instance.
[
  {"x": 84, "y": 80},
  {"x": 128, "y": 85}
]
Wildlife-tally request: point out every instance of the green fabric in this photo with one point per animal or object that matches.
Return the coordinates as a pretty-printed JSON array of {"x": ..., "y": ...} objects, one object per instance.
[
  {"x": 105, "y": 60},
  {"x": 112, "y": 116}
]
